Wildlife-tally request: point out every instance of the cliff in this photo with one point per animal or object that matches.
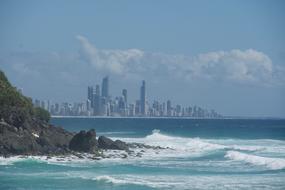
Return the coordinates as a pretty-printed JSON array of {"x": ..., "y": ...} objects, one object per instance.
[{"x": 24, "y": 129}]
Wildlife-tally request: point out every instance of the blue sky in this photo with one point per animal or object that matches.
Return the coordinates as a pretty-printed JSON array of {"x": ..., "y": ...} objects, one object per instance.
[{"x": 226, "y": 55}]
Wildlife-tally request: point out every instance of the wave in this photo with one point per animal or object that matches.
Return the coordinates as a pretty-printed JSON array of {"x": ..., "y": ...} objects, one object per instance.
[
  {"x": 182, "y": 182},
  {"x": 16, "y": 159},
  {"x": 69, "y": 160},
  {"x": 177, "y": 147},
  {"x": 10, "y": 160},
  {"x": 271, "y": 163},
  {"x": 177, "y": 143},
  {"x": 197, "y": 145},
  {"x": 96, "y": 180}
]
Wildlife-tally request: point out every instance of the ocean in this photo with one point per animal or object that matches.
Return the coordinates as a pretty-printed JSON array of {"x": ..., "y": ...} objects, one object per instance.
[{"x": 199, "y": 154}]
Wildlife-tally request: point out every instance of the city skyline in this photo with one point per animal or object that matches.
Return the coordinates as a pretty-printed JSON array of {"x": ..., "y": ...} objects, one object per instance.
[{"x": 101, "y": 103}]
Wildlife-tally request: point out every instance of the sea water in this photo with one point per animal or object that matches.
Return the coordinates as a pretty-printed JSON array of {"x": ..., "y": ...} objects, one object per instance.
[{"x": 199, "y": 154}]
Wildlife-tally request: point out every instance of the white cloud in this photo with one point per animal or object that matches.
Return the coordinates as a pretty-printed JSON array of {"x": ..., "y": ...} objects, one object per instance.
[
  {"x": 249, "y": 66},
  {"x": 242, "y": 66},
  {"x": 114, "y": 61}
]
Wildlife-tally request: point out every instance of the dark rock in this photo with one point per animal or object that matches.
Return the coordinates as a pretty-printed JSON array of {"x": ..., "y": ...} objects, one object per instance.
[
  {"x": 120, "y": 145},
  {"x": 24, "y": 129},
  {"x": 124, "y": 156},
  {"x": 106, "y": 143},
  {"x": 139, "y": 155},
  {"x": 34, "y": 139},
  {"x": 96, "y": 158},
  {"x": 84, "y": 142},
  {"x": 140, "y": 145}
]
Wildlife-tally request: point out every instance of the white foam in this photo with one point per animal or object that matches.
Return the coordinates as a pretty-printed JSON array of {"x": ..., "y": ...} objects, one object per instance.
[
  {"x": 14, "y": 159},
  {"x": 151, "y": 181},
  {"x": 70, "y": 160},
  {"x": 10, "y": 160},
  {"x": 162, "y": 181},
  {"x": 271, "y": 163},
  {"x": 178, "y": 147},
  {"x": 187, "y": 145},
  {"x": 182, "y": 182},
  {"x": 110, "y": 179},
  {"x": 193, "y": 147}
]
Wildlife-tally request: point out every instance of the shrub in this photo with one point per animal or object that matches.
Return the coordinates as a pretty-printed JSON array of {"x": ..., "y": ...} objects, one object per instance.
[
  {"x": 41, "y": 114},
  {"x": 16, "y": 108}
]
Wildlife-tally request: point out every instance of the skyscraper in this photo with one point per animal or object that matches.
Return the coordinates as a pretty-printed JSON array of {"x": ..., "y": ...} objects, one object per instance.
[
  {"x": 97, "y": 100},
  {"x": 105, "y": 87},
  {"x": 97, "y": 90},
  {"x": 90, "y": 95},
  {"x": 168, "y": 108},
  {"x": 143, "y": 98},
  {"x": 125, "y": 95}
]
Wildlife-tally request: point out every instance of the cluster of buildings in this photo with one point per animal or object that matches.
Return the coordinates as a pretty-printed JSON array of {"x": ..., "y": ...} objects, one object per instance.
[{"x": 100, "y": 103}]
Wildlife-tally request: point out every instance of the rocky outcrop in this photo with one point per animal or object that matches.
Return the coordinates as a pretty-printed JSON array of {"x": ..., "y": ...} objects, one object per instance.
[
  {"x": 24, "y": 129},
  {"x": 84, "y": 142},
  {"x": 33, "y": 140},
  {"x": 106, "y": 143}
]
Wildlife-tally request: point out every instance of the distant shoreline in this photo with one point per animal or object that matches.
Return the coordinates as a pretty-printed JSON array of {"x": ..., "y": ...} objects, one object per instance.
[{"x": 196, "y": 118}]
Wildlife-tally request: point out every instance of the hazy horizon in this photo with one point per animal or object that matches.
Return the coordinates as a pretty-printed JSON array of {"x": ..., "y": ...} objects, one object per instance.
[{"x": 222, "y": 55}]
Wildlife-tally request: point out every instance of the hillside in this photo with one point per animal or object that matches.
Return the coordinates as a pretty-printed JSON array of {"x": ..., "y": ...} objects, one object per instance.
[{"x": 24, "y": 129}]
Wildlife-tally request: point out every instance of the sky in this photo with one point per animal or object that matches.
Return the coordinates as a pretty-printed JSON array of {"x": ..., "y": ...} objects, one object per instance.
[{"x": 225, "y": 55}]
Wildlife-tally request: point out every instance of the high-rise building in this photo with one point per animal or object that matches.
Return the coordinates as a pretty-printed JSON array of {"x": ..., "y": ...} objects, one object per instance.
[
  {"x": 88, "y": 105},
  {"x": 97, "y": 90},
  {"x": 132, "y": 110},
  {"x": 105, "y": 87},
  {"x": 97, "y": 100},
  {"x": 103, "y": 106},
  {"x": 90, "y": 95},
  {"x": 138, "y": 107},
  {"x": 143, "y": 98},
  {"x": 168, "y": 108},
  {"x": 125, "y": 95}
]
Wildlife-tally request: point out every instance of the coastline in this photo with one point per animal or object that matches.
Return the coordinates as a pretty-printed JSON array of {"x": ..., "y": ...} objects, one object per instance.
[{"x": 193, "y": 118}]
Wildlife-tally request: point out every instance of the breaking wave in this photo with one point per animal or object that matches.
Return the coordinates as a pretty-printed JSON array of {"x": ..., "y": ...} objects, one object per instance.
[
  {"x": 271, "y": 163},
  {"x": 179, "y": 147},
  {"x": 185, "y": 182},
  {"x": 198, "y": 145}
]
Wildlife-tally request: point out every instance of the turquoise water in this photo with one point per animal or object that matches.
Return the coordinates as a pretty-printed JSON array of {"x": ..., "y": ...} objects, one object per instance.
[{"x": 202, "y": 154}]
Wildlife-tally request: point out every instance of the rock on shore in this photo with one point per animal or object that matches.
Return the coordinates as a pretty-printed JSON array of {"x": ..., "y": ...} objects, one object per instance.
[
  {"x": 84, "y": 142},
  {"x": 33, "y": 140},
  {"x": 25, "y": 130},
  {"x": 106, "y": 143}
]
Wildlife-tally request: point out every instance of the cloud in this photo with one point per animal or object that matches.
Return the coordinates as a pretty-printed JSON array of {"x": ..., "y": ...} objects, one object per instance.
[
  {"x": 238, "y": 66},
  {"x": 245, "y": 67},
  {"x": 114, "y": 61},
  {"x": 249, "y": 66}
]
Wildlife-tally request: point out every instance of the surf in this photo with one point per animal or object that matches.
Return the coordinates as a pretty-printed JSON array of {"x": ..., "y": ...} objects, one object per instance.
[{"x": 271, "y": 163}]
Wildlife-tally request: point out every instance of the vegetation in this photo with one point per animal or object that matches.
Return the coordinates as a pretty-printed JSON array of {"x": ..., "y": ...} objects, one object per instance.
[
  {"x": 41, "y": 114},
  {"x": 15, "y": 108}
]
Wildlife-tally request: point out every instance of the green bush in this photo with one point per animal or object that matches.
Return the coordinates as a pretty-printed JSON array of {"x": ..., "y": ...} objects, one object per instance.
[
  {"x": 16, "y": 108},
  {"x": 41, "y": 114}
]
